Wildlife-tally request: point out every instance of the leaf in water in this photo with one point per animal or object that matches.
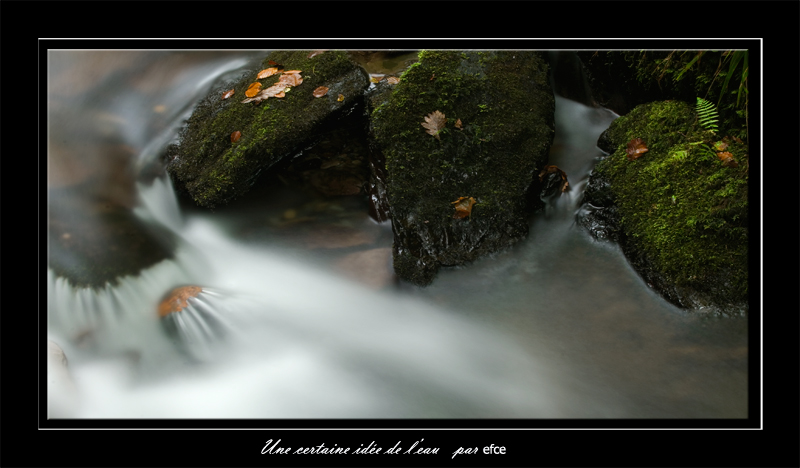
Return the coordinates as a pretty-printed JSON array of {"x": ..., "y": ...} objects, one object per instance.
[
  {"x": 340, "y": 98},
  {"x": 564, "y": 183},
  {"x": 267, "y": 72},
  {"x": 227, "y": 94},
  {"x": 463, "y": 207},
  {"x": 636, "y": 148},
  {"x": 434, "y": 122},
  {"x": 253, "y": 89},
  {"x": 321, "y": 91},
  {"x": 393, "y": 80},
  {"x": 176, "y": 300},
  {"x": 235, "y": 136}
]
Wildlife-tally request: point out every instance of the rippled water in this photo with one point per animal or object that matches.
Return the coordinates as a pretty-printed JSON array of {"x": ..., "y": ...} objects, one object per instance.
[{"x": 289, "y": 325}]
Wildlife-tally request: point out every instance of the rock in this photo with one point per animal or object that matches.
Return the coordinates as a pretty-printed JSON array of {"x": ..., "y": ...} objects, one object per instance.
[
  {"x": 215, "y": 170},
  {"x": 678, "y": 213},
  {"x": 506, "y": 107}
]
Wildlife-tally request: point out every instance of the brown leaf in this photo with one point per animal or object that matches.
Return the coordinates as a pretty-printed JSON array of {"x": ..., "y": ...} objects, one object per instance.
[
  {"x": 291, "y": 79},
  {"x": 376, "y": 77},
  {"x": 227, "y": 94},
  {"x": 458, "y": 125},
  {"x": 340, "y": 98},
  {"x": 235, "y": 136},
  {"x": 727, "y": 159},
  {"x": 393, "y": 80},
  {"x": 463, "y": 207},
  {"x": 253, "y": 89},
  {"x": 176, "y": 300},
  {"x": 434, "y": 123},
  {"x": 316, "y": 52},
  {"x": 272, "y": 62},
  {"x": 276, "y": 90},
  {"x": 321, "y": 91},
  {"x": 554, "y": 169},
  {"x": 636, "y": 148},
  {"x": 292, "y": 72},
  {"x": 267, "y": 72}
]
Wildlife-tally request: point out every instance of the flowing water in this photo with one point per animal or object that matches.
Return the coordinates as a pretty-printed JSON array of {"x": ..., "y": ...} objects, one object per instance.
[{"x": 299, "y": 317}]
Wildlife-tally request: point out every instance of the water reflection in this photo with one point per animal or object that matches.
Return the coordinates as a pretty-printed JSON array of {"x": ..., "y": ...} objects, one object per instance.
[{"x": 557, "y": 327}]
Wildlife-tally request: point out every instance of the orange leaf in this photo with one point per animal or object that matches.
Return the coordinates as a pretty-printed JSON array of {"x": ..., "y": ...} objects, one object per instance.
[
  {"x": 227, "y": 94},
  {"x": 463, "y": 207},
  {"x": 434, "y": 123},
  {"x": 340, "y": 98},
  {"x": 458, "y": 125},
  {"x": 375, "y": 77},
  {"x": 272, "y": 62},
  {"x": 292, "y": 72},
  {"x": 393, "y": 80},
  {"x": 267, "y": 72},
  {"x": 727, "y": 159},
  {"x": 253, "y": 89},
  {"x": 321, "y": 91},
  {"x": 235, "y": 136},
  {"x": 636, "y": 148},
  {"x": 292, "y": 79},
  {"x": 177, "y": 299}
]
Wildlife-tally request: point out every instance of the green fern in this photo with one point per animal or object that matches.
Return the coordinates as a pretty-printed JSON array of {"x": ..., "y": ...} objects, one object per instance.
[{"x": 707, "y": 113}]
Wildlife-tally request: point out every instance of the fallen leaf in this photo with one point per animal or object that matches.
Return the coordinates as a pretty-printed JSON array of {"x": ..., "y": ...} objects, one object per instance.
[
  {"x": 393, "y": 80},
  {"x": 636, "y": 148},
  {"x": 292, "y": 72},
  {"x": 235, "y": 136},
  {"x": 316, "y": 52},
  {"x": 253, "y": 89},
  {"x": 376, "y": 78},
  {"x": 291, "y": 79},
  {"x": 463, "y": 207},
  {"x": 227, "y": 94},
  {"x": 434, "y": 123},
  {"x": 272, "y": 62},
  {"x": 267, "y": 72},
  {"x": 340, "y": 98},
  {"x": 458, "y": 125},
  {"x": 176, "y": 300},
  {"x": 321, "y": 91},
  {"x": 555, "y": 170},
  {"x": 727, "y": 159}
]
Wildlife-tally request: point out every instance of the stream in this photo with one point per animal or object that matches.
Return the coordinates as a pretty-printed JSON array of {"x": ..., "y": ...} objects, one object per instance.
[{"x": 300, "y": 316}]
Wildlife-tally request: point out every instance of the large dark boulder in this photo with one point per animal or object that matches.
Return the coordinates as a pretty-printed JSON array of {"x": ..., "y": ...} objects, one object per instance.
[
  {"x": 679, "y": 211},
  {"x": 214, "y": 169},
  {"x": 499, "y": 111}
]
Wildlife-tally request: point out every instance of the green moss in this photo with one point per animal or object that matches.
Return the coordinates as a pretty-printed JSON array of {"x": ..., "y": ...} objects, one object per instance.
[{"x": 678, "y": 203}]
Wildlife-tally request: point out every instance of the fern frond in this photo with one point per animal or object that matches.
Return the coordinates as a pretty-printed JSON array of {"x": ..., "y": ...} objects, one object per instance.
[{"x": 707, "y": 114}]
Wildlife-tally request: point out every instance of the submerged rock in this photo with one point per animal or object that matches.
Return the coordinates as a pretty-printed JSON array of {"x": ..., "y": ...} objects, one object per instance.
[
  {"x": 679, "y": 214},
  {"x": 489, "y": 142},
  {"x": 214, "y": 169}
]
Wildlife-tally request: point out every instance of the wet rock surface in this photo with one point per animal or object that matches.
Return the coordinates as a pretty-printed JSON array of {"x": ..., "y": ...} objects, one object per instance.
[
  {"x": 214, "y": 170},
  {"x": 679, "y": 214},
  {"x": 499, "y": 126}
]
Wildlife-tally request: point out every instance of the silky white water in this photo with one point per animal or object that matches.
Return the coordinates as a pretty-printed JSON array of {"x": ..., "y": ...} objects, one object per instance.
[{"x": 557, "y": 327}]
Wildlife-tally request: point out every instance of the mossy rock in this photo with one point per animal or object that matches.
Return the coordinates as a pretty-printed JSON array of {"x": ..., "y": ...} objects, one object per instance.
[
  {"x": 214, "y": 170},
  {"x": 679, "y": 213},
  {"x": 505, "y": 108}
]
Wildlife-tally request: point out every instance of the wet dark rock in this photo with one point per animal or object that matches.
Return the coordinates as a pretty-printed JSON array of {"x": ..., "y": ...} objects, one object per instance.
[
  {"x": 93, "y": 242},
  {"x": 505, "y": 105},
  {"x": 678, "y": 212},
  {"x": 214, "y": 170}
]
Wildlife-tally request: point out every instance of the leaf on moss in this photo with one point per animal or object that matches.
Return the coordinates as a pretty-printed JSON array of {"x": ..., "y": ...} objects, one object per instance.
[
  {"x": 291, "y": 79},
  {"x": 235, "y": 136},
  {"x": 267, "y": 72},
  {"x": 253, "y": 89},
  {"x": 393, "y": 80},
  {"x": 316, "y": 52},
  {"x": 459, "y": 125},
  {"x": 463, "y": 207},
  {"x": 636, "y": 148},
  {"x": 434, "y": 123},
  {"x": 227, "y": 94},
  {"x": 292, "y": 72},
  {"x": 727, "y": 159},
  {"x": 321, "y": 91}
]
